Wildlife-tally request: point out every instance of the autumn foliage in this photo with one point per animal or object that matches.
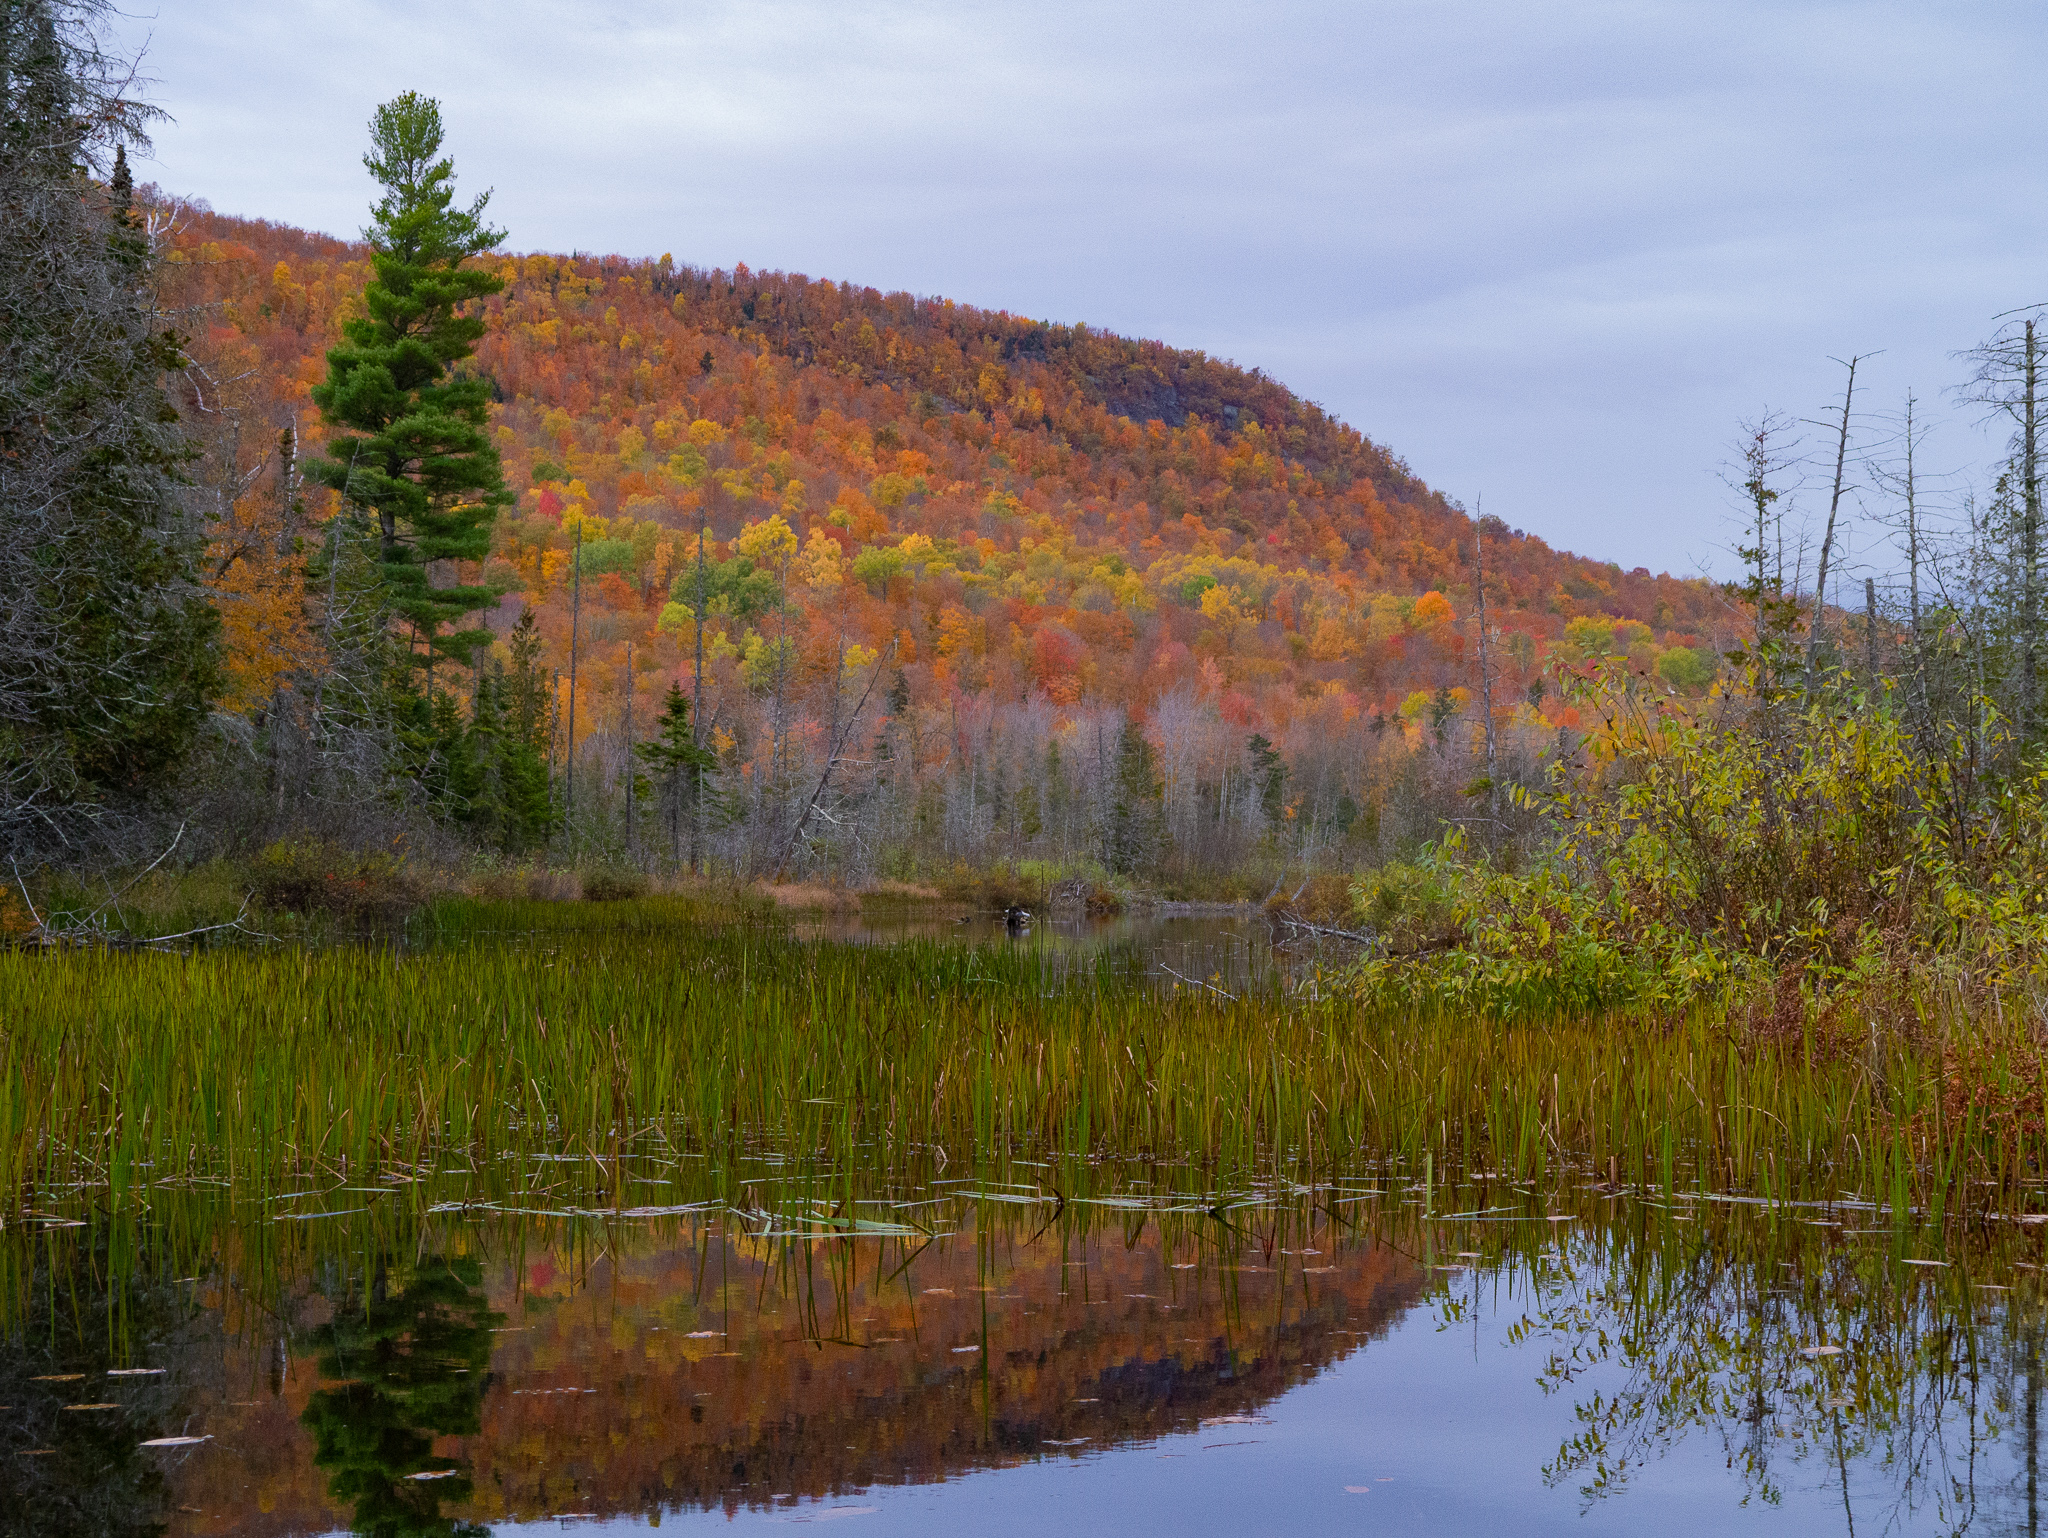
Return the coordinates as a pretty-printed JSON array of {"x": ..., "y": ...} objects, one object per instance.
[{"x": 1027, "y": 527}]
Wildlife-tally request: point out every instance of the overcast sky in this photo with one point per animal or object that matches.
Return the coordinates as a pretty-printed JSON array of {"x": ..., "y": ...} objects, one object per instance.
[{"x": 1548, "y": 254}]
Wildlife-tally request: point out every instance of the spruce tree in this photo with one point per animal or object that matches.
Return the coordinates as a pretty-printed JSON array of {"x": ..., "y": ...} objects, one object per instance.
[
  {"x": 108, "y": 647},
  {"x": 1269, "y": 773},
  {"x": 410, "y": 444},
  {"x": 1134, "y": 823},
  {"x": 681, "y": 765},
  {"x": 497, "y": 782}
]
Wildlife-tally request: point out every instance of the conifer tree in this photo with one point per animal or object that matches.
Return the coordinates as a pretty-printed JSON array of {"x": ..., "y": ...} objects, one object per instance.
[
  {"x": 410, "y": 444},
  {"x": 681, "y": 765},
  {"x": 108, "y": 647},
  {"x": 1131, "y": 831},
  {"x": 497, "y": 780},
  {"x": 1269, "y": 773}
]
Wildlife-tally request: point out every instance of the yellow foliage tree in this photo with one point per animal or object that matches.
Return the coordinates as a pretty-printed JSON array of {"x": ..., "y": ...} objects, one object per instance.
[
  {"x": 822, "y": 565},
  {"x": 768, "y": 543}
]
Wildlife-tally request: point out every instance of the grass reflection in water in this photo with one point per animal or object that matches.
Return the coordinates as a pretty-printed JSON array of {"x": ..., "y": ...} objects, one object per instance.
[
  {"x": 531, "y": 1367},
  {"x": 767, "y": 1221}
]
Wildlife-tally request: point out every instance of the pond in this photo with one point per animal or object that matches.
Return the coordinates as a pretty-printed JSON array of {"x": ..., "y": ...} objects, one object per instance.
[
  {"x": 758, "y": 1332},
  {"x": 1177, "y": 947}
]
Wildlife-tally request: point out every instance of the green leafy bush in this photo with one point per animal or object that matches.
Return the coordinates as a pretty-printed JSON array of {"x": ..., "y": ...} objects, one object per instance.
[{"x": 1700, "y": 850}]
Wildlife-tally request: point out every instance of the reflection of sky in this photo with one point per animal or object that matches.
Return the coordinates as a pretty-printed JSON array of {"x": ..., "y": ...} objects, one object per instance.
[
  {"x": 1450, "y": 1437},
  {"x": 1548, "y": 253}
]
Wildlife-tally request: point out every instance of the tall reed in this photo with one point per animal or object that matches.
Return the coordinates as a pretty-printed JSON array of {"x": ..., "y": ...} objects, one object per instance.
[{"x": 255, "y": 1067}]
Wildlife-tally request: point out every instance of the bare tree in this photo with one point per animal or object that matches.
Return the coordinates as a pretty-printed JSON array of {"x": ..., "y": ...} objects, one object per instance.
[
  {"x": 2006, "y": 379},
  {"x": 1827, "y": 538}
]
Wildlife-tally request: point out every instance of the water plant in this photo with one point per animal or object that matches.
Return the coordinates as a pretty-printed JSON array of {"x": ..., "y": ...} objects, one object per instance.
[{"x": 598, "y": 1031}]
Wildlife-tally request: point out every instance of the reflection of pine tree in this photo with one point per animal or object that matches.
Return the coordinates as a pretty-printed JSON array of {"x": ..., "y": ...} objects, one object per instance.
[{"x": 411, "y": 1350}]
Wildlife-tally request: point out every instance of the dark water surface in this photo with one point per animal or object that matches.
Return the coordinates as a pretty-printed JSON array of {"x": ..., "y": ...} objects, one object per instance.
[
  {"x": 1192, "y": 947},
  {"x": 756, "y": 1337}
]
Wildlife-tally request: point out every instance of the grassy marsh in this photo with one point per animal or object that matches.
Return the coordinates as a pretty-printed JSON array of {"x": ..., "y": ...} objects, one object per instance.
[{"x": 524, "y": 1029}]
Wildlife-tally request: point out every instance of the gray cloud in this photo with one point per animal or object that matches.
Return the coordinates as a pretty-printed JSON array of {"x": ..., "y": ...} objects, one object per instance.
[{"x": 1549, "y": 253}]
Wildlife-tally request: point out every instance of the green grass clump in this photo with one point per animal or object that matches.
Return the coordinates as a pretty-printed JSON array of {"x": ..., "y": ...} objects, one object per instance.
[{"x": 540, "y": 1027}]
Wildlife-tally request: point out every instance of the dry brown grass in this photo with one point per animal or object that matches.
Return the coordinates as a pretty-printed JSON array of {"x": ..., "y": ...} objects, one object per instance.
[
  {"x": 807, "y": 895},
  {"x": 908, "y": 891}
]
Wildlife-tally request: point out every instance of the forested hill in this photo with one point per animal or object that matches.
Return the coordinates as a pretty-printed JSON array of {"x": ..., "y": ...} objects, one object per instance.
[
  {"x": 1019, "y": 516},
  {"x": 933, "y": 411}
]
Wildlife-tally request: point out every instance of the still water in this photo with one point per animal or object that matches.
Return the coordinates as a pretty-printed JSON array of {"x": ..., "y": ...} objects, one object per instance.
[
  {"x": 1209, "y": 947},
  {"x": 755, "y": 1337}
]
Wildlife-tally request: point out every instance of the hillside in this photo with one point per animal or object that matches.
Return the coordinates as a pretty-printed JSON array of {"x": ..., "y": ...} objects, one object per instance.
[{"x": 1023, "y": 525}]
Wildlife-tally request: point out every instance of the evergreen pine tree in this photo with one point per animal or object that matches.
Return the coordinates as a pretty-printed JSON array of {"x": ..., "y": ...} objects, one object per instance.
[
  {"x": 1269, "y": 773},
  {"x": 526, "y": 689},
  {"x": 1132, "y": 828},
  {"x": 108, "y": 647},
  {"x": 498, "y": 782},
  {"x": 682, "y": 766},
  {"x": 410, "y": 444}
]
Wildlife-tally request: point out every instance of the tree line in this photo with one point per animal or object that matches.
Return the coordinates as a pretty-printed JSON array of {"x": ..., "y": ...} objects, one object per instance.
[{"x": 563, "y": 558}]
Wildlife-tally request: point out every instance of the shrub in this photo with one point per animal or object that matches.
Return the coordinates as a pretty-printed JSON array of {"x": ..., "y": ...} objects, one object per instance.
[
  {"x": 317, "y": 876},
  {"x": 1700, "y": 852},
  {"x": 1101, "y": 903},
  {"x": 1410, "y": 908},
  {"x": 610, "y": 886}
]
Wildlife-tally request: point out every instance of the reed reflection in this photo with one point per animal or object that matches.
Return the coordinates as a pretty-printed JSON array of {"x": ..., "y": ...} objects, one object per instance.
[
  {"x": 88, "y": 1378},
  {"x": 408, "y": 1349}
]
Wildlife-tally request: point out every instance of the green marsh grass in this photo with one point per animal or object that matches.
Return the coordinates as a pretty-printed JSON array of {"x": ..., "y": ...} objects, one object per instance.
[{"x": 514, "y": 1031}]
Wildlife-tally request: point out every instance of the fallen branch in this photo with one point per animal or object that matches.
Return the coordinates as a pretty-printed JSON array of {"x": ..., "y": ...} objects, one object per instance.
[
  {"x": 1324, "y": 929},
  {"x": 832, "y": 759},
  {"x": 1196, "y": 982}
]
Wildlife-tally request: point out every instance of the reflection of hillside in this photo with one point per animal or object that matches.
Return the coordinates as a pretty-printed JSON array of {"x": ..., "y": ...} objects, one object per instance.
[{"x": 606, "y": 1397}]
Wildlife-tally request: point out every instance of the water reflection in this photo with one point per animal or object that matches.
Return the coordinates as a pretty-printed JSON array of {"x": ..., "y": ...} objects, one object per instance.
[
  {"x": 1230, "y": 949},
  {"x": 1561, "y": 1360},
  {"x": 739, "y": 1371},
  {"x": 1830, "y": 1359},
  {"x": 408, "y": 1345},
  {"x": 85, "y": 1387}
]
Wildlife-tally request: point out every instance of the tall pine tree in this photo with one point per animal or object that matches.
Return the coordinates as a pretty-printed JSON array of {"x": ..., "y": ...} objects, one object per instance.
[
  {"x": 410, "y": 444},
  {"x": 1133, "y": 820},
  {"x": 681, "y": 765},
  {"x": 108, "y": 647}
]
